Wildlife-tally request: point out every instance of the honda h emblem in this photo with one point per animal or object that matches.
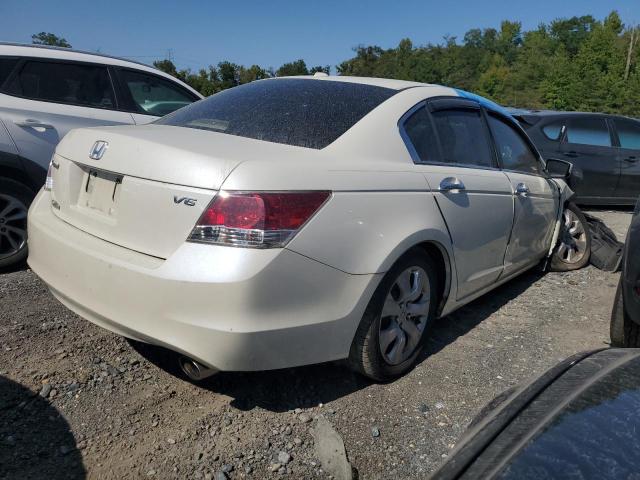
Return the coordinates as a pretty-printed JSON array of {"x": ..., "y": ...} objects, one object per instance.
[{"x": 98, "y": 149}]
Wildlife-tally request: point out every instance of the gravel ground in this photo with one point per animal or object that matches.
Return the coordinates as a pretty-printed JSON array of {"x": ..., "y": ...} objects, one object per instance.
[{"x": 77, "y": 401}]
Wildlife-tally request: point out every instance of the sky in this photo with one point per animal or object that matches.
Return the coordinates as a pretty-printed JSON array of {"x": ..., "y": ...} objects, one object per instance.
[{"x": 195, "y": 34}]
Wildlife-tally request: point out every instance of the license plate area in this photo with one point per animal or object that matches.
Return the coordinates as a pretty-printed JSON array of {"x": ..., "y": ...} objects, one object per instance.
[{"x": 99, "y": 192}]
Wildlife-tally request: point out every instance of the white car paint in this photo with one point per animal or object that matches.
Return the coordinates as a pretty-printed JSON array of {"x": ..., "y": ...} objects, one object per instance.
[{"x": 230, "y": 308}]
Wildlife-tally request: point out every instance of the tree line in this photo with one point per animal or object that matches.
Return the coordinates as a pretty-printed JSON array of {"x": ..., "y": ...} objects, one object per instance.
[{"x": 577, "y": 63}]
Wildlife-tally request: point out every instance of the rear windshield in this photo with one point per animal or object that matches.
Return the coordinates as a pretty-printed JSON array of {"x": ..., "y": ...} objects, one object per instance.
[{"x": 300, "y": 112}]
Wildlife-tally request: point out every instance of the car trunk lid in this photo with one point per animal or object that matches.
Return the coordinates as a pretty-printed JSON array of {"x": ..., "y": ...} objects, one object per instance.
[{"x": 149, "y": 187}]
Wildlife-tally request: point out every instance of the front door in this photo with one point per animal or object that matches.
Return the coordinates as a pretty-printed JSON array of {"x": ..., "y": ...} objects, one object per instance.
[{"x": 534, "y": 197}]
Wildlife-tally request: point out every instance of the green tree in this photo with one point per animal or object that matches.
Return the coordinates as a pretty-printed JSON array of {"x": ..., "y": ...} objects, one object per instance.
[
  {"x": 299, "y": 67},
  {"x": 167, "y": 66},
  {"x": 46, "y": 38}
]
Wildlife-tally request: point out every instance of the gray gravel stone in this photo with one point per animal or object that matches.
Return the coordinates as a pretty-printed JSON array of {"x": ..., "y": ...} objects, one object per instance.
[
  {"x": 329, "y": 449},
  {"x": 44, "y": 391},
  {"x": 304, "y": 418},
  {"x": 284, "y": 458}
]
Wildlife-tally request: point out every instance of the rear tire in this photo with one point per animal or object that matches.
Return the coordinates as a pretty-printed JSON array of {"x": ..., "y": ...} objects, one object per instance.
[
  {"x": 395, "y": 324},
  {"x": 624, "y": 331},
  {"x": 574, "y": 242},
  {"x": 15, "y": 199}
]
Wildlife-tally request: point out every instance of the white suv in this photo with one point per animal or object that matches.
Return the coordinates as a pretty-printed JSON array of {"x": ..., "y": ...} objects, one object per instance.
[{"x": 44, "y": 93}]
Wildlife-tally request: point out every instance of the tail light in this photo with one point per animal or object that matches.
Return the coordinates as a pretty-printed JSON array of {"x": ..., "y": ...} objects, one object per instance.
[{"x": 257, "y": 219}]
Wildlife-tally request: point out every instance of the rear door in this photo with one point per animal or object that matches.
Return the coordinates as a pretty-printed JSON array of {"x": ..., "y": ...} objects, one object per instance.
[
  {"x": 588, "y": 144},
  {"x": 628, "y": 153},
  {"x": 149, "y": 96},
  {"x": 534, "y": 197},
  {"x": 44, "y": 99},
  {"x": 450, "y": 144}
]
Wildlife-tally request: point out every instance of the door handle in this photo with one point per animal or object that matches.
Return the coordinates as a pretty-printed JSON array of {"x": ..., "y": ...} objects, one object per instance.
[
  {"x": 522, "y": 189},
  {"x": 631, "y": 159},
  {"x": 571, "y": 154},
  {"x": 451, "y": 184},
  {"x": 30, "y": 122}
]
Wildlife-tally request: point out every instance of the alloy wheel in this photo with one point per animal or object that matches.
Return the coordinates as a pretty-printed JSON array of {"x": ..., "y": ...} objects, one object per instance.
[
  {"x": 13, "y": 225},
  {"x": 404, "y": 315},
  {"x": 573, "y": 241}
]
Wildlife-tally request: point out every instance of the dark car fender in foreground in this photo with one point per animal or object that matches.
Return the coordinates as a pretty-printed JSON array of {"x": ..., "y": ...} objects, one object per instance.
[{"x": 578, "y": 420}]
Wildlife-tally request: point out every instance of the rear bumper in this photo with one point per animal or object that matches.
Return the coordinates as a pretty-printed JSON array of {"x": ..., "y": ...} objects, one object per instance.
[{"x": 229, "y": 308}]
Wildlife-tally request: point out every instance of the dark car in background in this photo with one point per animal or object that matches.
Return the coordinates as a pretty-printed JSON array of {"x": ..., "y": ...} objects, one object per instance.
[
  {"x": 625, "y": 317},
  {"x": 578, "y": 420},
  {"x": 604, "y": 149}
]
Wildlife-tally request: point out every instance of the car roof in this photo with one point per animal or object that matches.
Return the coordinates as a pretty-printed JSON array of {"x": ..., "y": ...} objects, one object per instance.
[
  {"x": 61, "y": 53},
  {"x": 401, "y": 85}
]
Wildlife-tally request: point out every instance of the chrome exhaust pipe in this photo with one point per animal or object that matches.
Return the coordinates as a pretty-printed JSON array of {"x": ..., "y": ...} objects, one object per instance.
[{"x": 195, "y": 370}]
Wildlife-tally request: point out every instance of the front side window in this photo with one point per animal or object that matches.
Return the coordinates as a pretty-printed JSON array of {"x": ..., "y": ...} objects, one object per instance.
[
  {"x": 420, "y": 132},
  {"x": 588, "y": 131},
  {"x": 513, "y": 151},
  {"x": 463, "y": 137},
  {"x": 152, "y": 95},
  {"x": 301, "y": 112},
  {"x": 628, "y": 133},
  {"x": 75, "y": 84}
]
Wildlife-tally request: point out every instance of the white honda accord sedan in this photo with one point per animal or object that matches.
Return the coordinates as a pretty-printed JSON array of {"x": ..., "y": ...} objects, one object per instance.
[{"x": 299, "y": 220}]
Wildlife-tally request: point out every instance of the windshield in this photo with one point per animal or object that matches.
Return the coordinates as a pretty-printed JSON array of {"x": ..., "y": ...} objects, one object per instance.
[{"x": 300, "y": 112}]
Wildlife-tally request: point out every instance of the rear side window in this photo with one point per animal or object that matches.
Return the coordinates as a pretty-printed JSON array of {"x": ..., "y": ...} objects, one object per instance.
[
  {"x": 553, "y": 131},
  {"x": 463, "y": 137},
  {"x": 421, "y": 135},
  {"x": 301, "y": 112},
  {"x": 76, "y": 84},
  {"x": 513, "y": 151},
  {"x": 628, "y": 133},
  {"x": 6, "y": 67},
  {"x": 588, "y": 131},
  {"x": 152, "y": 95}
]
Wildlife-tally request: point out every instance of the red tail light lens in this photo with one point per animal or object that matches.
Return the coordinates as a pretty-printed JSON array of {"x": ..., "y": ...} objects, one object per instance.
[{"x": 257, "y": 220}]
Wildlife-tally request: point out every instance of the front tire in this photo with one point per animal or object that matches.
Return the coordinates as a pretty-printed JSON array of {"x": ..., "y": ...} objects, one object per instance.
[
  {"x": 624, "y": 331},
  {"x": 393, "y": 329},
  {"x": 15, "y": 199},
  {"x": 574, "y": 243}
]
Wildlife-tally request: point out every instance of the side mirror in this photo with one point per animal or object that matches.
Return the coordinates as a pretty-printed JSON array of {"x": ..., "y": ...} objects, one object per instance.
[{"x": 556, "y": 168}]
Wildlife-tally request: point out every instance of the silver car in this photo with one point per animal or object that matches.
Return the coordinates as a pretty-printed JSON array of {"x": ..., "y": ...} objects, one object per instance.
[
  {"x": 299, "y": 220},
  {"x": 44, "y": 93}
]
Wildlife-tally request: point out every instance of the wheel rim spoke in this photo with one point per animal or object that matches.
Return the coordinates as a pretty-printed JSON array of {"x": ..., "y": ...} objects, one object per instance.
[
  {"x": 391, "y": 307},
  {"x": 19, "y": 215},
  {"x": 389, "y": 336},
  {"x": 18, "y": 231},
  {"x": 11, "y": 205},
  {"x": 12, "y": 241},
  {"x": 396, "y": 353},
  {"x": 414, "y": 333},
  {"x": 418, "y": 308}
]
